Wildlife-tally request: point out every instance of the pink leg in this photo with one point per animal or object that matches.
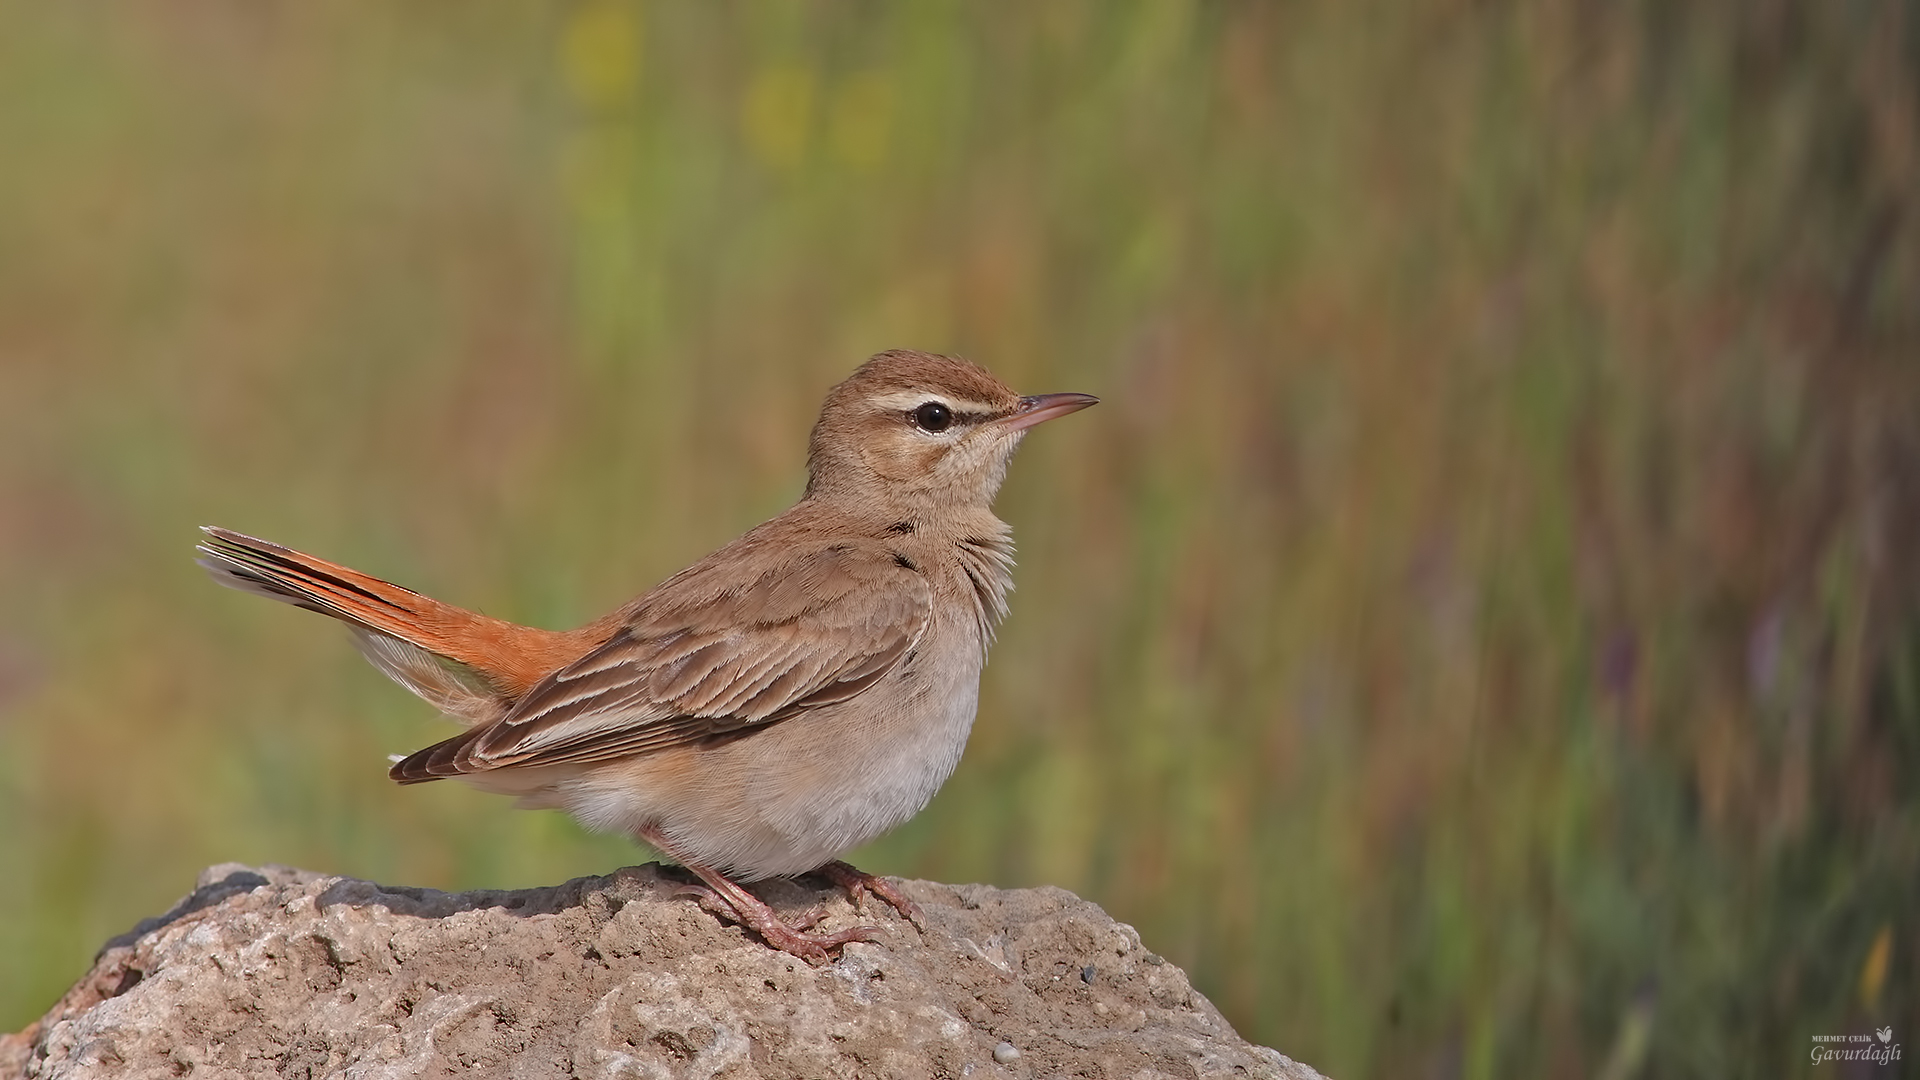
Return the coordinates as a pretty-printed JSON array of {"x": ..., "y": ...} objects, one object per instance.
[
  {"x": 858, "y": 883},
  {"x": 730, "y": 899}
]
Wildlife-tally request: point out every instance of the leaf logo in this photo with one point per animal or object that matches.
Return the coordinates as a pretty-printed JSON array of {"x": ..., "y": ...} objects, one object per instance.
[{"x": 1885, "y": 1033}]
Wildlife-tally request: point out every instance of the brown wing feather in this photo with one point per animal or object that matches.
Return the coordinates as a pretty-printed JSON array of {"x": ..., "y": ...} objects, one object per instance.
[{"x": 700, "y": 657}]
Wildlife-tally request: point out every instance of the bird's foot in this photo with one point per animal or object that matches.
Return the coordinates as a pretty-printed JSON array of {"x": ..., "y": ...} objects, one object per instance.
[
  {"x": 730, "y": 901},
  {"x": 860, "y": 884}
]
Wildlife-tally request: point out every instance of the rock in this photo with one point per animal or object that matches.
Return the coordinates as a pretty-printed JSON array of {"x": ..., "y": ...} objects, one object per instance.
[{"x": 282, "y": 972}]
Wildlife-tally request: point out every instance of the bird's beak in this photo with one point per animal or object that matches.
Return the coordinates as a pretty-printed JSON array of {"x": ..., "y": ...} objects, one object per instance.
[{"x": 1043, "y": 407}]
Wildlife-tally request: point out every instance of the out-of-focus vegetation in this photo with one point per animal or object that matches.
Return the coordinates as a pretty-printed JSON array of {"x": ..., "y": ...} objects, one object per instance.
[{"x": 1476, "y": 636}]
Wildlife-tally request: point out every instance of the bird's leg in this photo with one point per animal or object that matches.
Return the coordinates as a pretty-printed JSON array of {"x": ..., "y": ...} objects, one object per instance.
[
  {"x": 729, "y": 899},
  {"x": 859, "y": 883}
]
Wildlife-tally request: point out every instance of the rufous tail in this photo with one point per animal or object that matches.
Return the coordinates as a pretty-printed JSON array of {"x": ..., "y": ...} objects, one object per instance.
[{"x": 467, "y": 665}]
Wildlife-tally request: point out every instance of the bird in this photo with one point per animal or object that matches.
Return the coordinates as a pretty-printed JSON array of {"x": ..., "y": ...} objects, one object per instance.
[{"x": 798, "y": 692}]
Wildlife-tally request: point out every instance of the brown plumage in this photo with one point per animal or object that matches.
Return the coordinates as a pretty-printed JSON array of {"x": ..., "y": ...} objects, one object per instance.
[{"x": 798, "y": 692}]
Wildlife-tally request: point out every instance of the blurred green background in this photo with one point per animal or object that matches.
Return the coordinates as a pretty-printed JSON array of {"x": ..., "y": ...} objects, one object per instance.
[{"x": 1478, "y": 635}]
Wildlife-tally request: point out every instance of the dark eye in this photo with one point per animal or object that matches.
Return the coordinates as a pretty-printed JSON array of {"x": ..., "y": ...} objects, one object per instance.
[{"x": 932, "y": 416}]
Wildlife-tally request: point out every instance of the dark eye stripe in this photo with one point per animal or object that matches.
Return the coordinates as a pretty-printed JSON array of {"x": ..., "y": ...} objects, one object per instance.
[
  {"x": 970, "y": 418},
  {"x": 925, "y": 417}
]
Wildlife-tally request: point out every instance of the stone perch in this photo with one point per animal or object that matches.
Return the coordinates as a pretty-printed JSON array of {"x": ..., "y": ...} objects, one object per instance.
[{"x": 276, "y": 972}]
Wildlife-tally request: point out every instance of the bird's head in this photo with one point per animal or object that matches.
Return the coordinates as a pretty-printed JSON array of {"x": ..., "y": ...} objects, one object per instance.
[{"x": 918, "y": 431}]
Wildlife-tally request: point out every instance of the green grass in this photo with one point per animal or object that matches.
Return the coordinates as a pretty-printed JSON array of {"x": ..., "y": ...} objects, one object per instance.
[{"x": 1477, "y": 635}]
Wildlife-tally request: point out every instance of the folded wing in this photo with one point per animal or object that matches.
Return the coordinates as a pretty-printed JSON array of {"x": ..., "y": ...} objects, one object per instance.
[{"x": 699, "y": 658}]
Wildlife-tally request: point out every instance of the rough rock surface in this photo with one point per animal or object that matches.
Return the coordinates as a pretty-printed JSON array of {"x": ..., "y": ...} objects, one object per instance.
[{"x": 280, "y": 972}]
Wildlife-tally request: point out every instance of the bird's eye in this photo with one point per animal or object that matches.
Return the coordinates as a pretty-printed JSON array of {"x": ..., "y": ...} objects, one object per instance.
[{"x": 932, "y": 416}]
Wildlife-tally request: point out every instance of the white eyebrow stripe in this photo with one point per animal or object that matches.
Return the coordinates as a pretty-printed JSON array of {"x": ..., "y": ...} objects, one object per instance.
[{"x": 906, "y": 400}]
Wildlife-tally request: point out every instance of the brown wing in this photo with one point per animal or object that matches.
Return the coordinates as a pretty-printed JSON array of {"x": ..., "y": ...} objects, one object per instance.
[{"x": 700, "y": 657}]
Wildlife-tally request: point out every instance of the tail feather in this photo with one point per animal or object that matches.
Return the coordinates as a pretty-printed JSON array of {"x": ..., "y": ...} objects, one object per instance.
[
  {"x": 280, "y": 573},
  {"x": 448, "y": 685},
  {"x": 465, "y": 664}
]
